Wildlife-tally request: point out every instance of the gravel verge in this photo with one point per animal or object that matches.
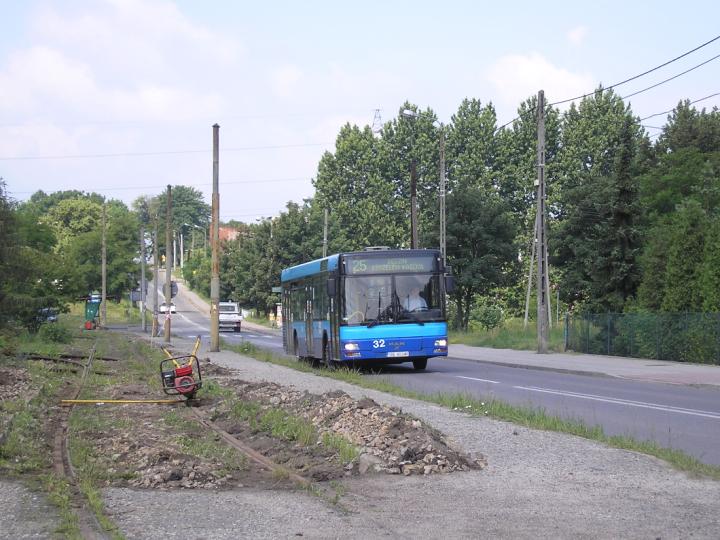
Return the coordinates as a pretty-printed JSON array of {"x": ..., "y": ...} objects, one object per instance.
[
  {"x": 536, "y": 484},
  {"x": 25, "y": 514}
]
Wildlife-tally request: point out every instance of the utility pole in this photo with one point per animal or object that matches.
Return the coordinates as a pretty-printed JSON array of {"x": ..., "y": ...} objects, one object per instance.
[
  {"x": 413, "y": 205},
  {"x": 103, "y": 269},
  {"x": 143, "y": 298},
  {"x": 168, "y": 263},
  {"x": 214, "y": 245},
  {"x": 530, "y": 272},
  {"x": 156, "y": 279},
  {"x": 443, "y": 238},
  {"x": 542, "y": 278},
  {"x": 182, "y": 249},
  {"x": 325, "y": 234}
]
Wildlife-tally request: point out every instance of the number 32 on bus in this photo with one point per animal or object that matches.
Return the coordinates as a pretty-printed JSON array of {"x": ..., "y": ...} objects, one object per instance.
[{"x": 378, "y": 306}]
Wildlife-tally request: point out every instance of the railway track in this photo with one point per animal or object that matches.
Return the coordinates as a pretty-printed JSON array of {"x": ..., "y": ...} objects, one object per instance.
[
  {"x": 90, "y": 528},
  {"x": 251, "y": 454}
]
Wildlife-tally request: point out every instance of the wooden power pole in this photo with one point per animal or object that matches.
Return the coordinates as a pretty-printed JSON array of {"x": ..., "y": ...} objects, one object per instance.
[
  {"x": 143, "y": 299},
  {"x": 156, "y": 279},
  {"x": 215, "y": 246},
  {"x": 325, "y": 232},
  {"x": 413, "y": 206},
  {"x": 103, "y": 269},
  {"x": 168, "y": 264},
  {"x": 443, "y": 236},
  {"x": 541, "y": 231}
]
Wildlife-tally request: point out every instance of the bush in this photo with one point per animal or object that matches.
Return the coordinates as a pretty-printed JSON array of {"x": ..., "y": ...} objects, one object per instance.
[
  {"x": 55, "y": 332},
  {"x": 487, "y": 315}
]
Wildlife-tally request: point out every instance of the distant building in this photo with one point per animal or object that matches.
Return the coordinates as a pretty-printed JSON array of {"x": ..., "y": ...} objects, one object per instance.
[{"x": 228, "y": 233}]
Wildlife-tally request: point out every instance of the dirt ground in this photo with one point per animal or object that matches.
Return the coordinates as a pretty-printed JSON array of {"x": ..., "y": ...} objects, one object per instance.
[{"x": 160, "y": 446}]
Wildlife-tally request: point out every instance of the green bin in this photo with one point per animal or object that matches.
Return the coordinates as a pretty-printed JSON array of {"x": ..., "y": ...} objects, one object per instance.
[{"x": 92, "y": 308}]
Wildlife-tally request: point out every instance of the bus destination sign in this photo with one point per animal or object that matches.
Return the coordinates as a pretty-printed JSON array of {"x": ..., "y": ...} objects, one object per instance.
[{"x": 389, "y": 265}]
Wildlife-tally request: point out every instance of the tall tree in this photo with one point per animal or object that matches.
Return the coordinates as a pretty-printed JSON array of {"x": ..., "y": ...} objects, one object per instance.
[
  {"x": 594, "y": 235},
  {"x": 481, "y": 248}
]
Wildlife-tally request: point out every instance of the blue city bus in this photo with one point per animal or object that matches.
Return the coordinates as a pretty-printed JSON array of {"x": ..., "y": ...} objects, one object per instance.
[{"x": 378, "y": 306}]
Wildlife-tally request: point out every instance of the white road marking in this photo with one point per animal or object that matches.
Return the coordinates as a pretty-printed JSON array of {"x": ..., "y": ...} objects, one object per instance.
[
  {"x": 628, "y": 402},
  {"x": 184, "y": 318},
  {"x": 476, "y": 379}
]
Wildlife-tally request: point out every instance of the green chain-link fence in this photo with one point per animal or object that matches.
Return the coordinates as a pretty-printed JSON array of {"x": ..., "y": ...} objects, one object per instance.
[{"x": 683, "y": 337}]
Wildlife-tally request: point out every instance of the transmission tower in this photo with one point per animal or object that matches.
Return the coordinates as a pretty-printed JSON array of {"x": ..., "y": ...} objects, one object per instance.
[{"x": 377, "y": 123}]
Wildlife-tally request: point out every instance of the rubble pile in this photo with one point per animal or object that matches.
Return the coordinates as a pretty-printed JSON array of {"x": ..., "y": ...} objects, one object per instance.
[{"x": 389, "y": 441}]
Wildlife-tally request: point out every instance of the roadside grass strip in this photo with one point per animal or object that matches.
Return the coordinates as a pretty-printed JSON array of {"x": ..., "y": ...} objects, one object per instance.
[
  {"x": 511, "y": 335},
  {"x": 496, "y": 409}
]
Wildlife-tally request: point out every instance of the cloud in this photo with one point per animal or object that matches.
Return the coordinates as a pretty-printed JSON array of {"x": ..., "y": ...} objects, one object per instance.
[
  {"x": 283, "y": 81},
  {"x": 517, "y": 77},
  {"x": 577, "y": 35}
]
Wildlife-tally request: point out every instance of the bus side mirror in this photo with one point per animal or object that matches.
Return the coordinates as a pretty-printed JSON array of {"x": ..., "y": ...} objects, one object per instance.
[
  {"x": 449, "y": 284},
  {"x": 331, "y": 288}
]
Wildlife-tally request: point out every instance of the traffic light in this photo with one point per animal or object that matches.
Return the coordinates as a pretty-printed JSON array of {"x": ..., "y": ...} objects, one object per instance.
[{"x": 173, "y": 289}]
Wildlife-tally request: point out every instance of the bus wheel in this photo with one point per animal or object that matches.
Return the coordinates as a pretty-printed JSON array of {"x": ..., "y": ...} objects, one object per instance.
[{"x": 419, "y": 364}]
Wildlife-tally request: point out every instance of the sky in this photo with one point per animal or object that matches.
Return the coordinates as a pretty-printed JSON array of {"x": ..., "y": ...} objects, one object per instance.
[{"x": 119, "y": 97}]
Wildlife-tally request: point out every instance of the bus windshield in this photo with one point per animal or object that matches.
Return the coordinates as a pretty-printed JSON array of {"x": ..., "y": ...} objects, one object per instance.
[{"x": 402, "y": 298}]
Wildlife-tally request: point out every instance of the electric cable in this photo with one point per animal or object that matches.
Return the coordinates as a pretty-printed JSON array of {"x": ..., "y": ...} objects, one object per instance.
[
  {"x": 671, "y": 110},
  {"x": 646, "y": 72},
  {"x": 671, "y": 78},
  {"x": 631, "y": 79}
]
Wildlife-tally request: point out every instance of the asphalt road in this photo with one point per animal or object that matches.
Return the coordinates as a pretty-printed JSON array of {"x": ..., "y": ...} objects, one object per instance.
[{"x": 674, "y": 416}]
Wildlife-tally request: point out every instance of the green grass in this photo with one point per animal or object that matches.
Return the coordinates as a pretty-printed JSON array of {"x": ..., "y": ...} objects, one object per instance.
[
  {"x": 275, "y": 422},
  {"x": 511, "y": 335},
  {"x": 204, "y": 444},
  {"x": 347, "y": 451},
  {"x": 524, "y": 416},
  {"x": 59, "y": 494}
]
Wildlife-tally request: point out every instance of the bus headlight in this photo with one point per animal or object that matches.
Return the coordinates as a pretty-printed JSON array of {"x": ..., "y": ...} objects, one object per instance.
[
  {"x": 352, "y": 347},
  {"x": 441, "y": 343}
]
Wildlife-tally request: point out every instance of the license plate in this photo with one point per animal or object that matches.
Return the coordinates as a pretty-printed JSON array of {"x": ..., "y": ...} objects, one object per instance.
[{"x": 396, "y": 354}]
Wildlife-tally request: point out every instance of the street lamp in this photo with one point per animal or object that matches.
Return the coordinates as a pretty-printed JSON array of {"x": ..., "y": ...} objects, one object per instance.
[
  {"x": 410, "y": 114},
  {"x": 192, "y": 245}
]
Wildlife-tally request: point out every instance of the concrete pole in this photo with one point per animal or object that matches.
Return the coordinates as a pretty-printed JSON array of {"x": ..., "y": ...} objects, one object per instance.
[
  {"x": 530, "y": 273},
  {"x": 182, "y": 250},
  {"x": 215, "y": 246},
  {"x": 542, "y": 291},
  {"x": 168, "y": 263}
]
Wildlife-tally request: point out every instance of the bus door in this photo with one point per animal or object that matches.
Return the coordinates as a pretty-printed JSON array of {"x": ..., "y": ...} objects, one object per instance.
[{"x": 308, "y": 320}]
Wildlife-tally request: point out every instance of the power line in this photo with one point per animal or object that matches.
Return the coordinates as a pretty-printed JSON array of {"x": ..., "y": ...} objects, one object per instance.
[
  {"x": 671, "y": 78},
  {"x": 671, "y": 110},
  {"x": 646, "y": 72},
  {"x": 532, "y": 111},
  {"x": 163, "y": 153}
]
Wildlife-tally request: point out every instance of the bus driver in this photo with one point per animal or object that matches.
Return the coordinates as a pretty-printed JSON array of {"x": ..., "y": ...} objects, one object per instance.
[{"x": 414, "y": 302}]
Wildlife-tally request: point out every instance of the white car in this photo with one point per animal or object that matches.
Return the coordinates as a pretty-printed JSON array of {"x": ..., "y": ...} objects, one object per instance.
[
  {"x": 229, "y": 316},
  {"x": 164, "y": 308}
]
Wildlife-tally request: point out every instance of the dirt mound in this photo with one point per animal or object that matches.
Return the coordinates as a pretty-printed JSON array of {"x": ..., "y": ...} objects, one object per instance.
[{"x": 388, "y": 440}]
